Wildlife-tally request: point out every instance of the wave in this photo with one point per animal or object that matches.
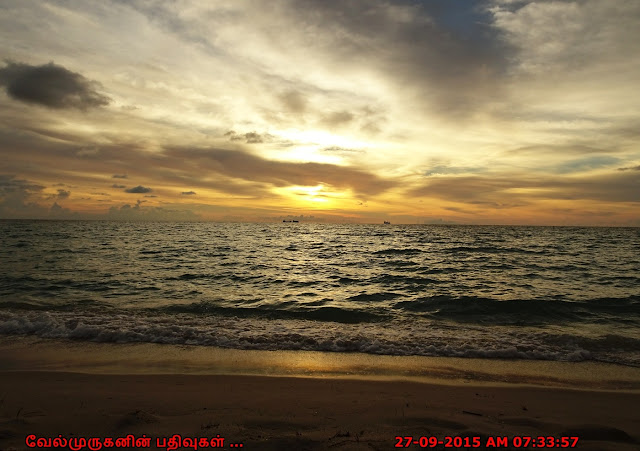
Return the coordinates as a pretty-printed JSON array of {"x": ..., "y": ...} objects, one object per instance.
[
  {"x": 405, "y": 280},
  {"x": 363, "y": 306},
  {"x": 394, "y": 251},
  {"x": 493, "y": 250},
  {"x": 374, "y": 297},
  {"x": 322, "y": 313},
  {"x": 427, "y": 339},
  {"x": 535, "y": 311}
]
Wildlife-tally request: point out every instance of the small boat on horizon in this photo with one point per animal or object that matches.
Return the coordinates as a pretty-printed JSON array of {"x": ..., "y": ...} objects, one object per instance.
[{"x": 387, "y": 222}]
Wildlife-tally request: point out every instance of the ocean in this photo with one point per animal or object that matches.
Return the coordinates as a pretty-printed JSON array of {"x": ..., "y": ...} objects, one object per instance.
[{"x": 497, "y": 292}]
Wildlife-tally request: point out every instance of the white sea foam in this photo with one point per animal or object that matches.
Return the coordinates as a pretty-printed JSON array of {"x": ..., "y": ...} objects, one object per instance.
[{"x": 277, "y": 334}]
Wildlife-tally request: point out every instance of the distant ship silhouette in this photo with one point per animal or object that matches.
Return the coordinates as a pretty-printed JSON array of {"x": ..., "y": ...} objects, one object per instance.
[
  {"x": 387, "y": 222},
  {"x": 290, "y": 220}
]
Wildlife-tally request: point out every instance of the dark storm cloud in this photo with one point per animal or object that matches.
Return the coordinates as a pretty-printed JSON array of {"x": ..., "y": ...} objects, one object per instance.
[
  {"x": 50, "y": 85},
  {"x": 632, "y": 168},
  {"x": 138, "y": 190}
]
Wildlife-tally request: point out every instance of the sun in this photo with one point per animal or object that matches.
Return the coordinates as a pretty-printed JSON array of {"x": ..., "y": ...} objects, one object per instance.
[
  {"x": 313, "y": 193},
  {"x": 318, "y": 196},
  {"x": 305, "y": 194}
]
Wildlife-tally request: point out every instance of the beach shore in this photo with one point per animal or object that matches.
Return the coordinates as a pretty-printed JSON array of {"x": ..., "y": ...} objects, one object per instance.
[{"x": 276, "y": 411}]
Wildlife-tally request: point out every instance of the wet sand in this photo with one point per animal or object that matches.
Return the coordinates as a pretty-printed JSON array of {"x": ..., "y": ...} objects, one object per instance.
[{"x": 331, "y": 407}]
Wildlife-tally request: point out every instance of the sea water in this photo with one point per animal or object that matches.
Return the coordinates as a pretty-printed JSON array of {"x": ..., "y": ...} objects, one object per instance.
[{"x": 547, "y": 293}]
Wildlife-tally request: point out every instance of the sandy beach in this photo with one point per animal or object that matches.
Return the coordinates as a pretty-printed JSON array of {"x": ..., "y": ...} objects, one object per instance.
[{"x": 272, "y": 411}]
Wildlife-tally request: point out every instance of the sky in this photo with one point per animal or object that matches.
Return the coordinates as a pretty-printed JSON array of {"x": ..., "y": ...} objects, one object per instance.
[{"x": 416, "y": 111}]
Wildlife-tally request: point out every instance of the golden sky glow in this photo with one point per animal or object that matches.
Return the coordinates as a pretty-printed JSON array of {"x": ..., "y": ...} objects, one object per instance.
[{"x": 499, "y": 111}]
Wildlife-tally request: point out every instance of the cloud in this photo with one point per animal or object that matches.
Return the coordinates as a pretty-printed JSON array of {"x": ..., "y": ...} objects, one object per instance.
[
  {"x": 17, "y": 198},
  {"x": 58, "y": 212},
  {"x": 560, "y": 149},
  {"x": 233, "y": 136},
  {"x": 245, "y": 166},
  {"x": 138, "y": 190},
  {"x": 444, "y": 53},
  {"x": 235, "y": 172},
  {"x": 546, "y": 90},
  {"x": 441, "y": 169},
  {"x": 586, "y": 164},
  {"x": 341, "y": 150},
  {"x": 443, "y": 56},
  {"x": 9, "y": 185},
  {"x": 571, "y": 36},
  {"x": 337, "y": 119},
  {"x": 63, "y": 194},
  {"x": 294, "y": 102},
  {"x": 572, "y": 58},
  {"x": 137, "y": 212},
  {"x": 520, "y": 189},
  {"x": 188, "y": 193},
  {"x": 253, "y": 137},
  {"x": 50, "y": 85},
  {"x": 22, "y": 199},
  {"x": 249, "y": 138},
  {"x": 52, "y": 156}
]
